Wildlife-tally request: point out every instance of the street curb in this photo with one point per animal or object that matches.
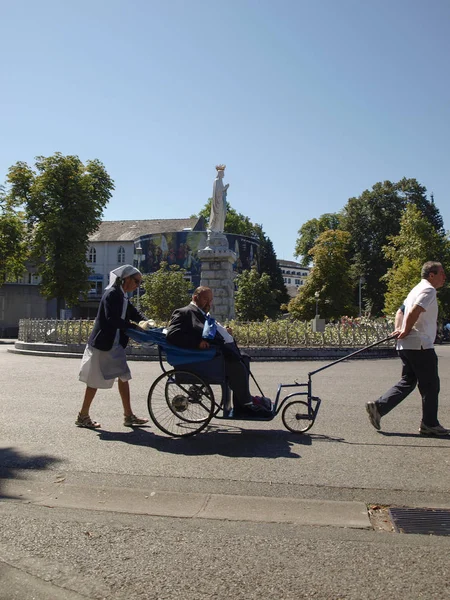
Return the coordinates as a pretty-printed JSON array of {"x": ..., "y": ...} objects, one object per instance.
[
  {"x": 255, "y": 353},
  {"x": 189, "y": 505}
]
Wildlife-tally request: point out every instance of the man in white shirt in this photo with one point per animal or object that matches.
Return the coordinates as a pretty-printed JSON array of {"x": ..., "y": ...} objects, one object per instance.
[{"x": 415, "y": 345}]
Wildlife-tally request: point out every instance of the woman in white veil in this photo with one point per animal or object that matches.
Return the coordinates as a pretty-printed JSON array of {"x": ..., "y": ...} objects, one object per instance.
[{"x": 104, "y": 359}]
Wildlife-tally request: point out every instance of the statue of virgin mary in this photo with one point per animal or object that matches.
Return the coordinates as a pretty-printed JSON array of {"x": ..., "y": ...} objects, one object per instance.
[{"x": 219, "y": 202}]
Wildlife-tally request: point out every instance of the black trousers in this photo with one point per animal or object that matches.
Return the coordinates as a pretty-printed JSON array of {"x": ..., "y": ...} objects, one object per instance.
[
  {"x": 238, "y": 373},
  {"x": 420, "y": 367}
]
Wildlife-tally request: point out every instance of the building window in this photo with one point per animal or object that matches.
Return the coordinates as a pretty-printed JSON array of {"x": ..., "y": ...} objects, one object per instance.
[
  {"x": 297, "y": 282},
  {"x": 289, "y": 280},
  {"x": 92, "y": 258},
  {"x": 121, "y": 255}
]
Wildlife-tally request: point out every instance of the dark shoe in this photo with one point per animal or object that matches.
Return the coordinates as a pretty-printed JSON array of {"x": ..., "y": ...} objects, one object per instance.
[
  {"x": 437, "y": 430},
  {"x": 374, "y": 415}
]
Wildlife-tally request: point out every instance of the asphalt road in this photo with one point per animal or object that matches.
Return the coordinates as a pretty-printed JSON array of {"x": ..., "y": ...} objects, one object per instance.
[{"x": 99, "y": 551}]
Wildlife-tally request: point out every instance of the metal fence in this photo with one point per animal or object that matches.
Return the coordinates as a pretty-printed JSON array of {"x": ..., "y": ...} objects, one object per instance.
[{"x": 281, "y": 333}]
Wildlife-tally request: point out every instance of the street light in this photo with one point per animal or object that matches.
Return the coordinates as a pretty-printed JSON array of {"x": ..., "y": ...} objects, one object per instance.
[
  {"x": 317, "y": 303},
  {"x": 139, "y": 256},
  {"x": 361, "y": 281}
]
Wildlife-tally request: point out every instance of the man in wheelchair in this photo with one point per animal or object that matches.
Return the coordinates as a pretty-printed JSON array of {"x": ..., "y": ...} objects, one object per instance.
[{"x": 193, "y": 327}]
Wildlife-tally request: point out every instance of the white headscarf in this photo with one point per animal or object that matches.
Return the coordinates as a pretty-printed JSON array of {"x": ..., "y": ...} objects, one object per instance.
[{"x": 121, "y": 273}]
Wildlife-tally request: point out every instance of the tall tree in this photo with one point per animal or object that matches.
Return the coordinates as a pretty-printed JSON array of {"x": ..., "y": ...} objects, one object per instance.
[
  {"x": 254, "y": 298},
  {"x": 64, "y": 201},
  {"x": 310, "y": 231},
  {"x": 329, "y": 277},
  {"x": 372, "y": 219},
  {"x": 417, "y": 242},
  {"x": 13, "y": 240}
]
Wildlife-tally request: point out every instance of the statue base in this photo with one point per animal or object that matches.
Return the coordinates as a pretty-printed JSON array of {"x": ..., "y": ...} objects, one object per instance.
[{"x": 217, "y": 273}]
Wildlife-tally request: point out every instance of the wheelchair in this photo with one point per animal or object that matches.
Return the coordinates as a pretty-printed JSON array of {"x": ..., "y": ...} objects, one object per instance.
[{"x": 183, "y": 400}]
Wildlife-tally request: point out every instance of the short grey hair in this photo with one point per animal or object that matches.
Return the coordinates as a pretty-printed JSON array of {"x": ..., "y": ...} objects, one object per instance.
[{"x": 430, "y": 267}]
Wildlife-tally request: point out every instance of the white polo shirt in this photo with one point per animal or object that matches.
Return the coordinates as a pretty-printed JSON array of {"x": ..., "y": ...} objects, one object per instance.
[{"x": 423, "y": 334}]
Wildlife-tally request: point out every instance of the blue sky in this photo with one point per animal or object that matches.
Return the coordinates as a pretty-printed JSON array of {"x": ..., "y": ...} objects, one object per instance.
[{"x": 307, "y": 103}]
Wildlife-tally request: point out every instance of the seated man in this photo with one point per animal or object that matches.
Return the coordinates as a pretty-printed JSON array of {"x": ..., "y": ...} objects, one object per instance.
[{"x": 187, "y": 330}]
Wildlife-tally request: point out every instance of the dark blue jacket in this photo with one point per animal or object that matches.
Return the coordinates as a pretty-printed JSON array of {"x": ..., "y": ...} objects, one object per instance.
[{"x": 109, "y": 320}]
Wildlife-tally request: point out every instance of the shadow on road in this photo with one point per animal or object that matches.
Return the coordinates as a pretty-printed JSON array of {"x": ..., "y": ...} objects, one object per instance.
[
  {"x": 231, "y": 441},
  {"x": 12, "y": 461}
]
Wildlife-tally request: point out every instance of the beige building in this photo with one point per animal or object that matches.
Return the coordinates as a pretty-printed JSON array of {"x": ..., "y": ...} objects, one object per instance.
[{"x": 294, "y": 275}]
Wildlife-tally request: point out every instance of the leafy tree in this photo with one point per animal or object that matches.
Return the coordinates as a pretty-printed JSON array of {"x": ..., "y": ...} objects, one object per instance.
[
  {"x": 165, "y": 291},
  {"x": 330, "y": 277},
  {"x": 254, "y": 299},
  {"x": 310, "y": 231},
  {"x": 268, "y": 264},
  {"x": 64, "y": 200},
  {"x": 417, "y": 242},
  {"x": 13, "y": 240},
  {"x": 372, "y": 219}
]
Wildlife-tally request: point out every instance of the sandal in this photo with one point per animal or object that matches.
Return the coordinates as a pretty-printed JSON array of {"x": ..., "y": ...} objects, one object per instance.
[
  {"x": 86, "y": 421},
  {"x": 133, "y": 421}
]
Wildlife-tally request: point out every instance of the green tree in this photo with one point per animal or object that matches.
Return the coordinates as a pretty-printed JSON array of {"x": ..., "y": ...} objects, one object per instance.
[
  {"x": 330, "y": 278},
  {"x": 268, "y": 264},
  {"x": 310, "y": 231},
  {"x": 254, "y": 299},
  {"x": 13, "y": 240},
  {"x": 417, "y": 242},
  {"x": 165, "y": 291},
  {"x": 372, "y": 219},
  {"x": 64, "y": 201}
]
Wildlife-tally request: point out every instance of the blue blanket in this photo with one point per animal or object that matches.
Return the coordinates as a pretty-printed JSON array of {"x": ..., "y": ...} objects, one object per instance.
[{"x": 175, "y": 355}]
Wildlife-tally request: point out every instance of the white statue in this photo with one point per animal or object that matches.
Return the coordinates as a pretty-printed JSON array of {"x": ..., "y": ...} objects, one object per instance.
[{"x": 219, "y": 202}]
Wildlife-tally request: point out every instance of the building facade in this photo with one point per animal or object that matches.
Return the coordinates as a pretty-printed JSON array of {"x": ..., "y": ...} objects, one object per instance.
[{"x": 294, "y": 275}]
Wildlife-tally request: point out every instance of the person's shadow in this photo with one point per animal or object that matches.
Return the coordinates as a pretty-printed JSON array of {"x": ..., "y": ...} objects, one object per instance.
[
  {"x": 12, "y": 462},
  {"x": 229, "y": 440}
]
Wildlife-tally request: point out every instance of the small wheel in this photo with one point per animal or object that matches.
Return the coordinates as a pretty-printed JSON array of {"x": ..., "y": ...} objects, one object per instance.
[
  {"x": 297, "y": 417},
  {"x": 180, "y": 403}
]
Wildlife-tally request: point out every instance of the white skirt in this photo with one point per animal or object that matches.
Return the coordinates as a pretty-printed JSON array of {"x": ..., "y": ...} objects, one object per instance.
[{"x": 100, "y": 368}]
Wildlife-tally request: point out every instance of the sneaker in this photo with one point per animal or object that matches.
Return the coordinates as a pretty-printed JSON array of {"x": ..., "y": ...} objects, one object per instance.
[
  {"x": 133, "y": 421},
  {"x": 437, "y": 430},
  {"x": 374, "y": 415},
  {"x": 86, "y": 421}
]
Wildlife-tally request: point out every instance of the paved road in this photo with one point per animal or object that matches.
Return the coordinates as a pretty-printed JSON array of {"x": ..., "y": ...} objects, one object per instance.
[{"x": 105, "y": 553}]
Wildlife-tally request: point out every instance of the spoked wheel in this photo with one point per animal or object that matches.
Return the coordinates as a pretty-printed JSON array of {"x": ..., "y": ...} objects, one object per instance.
[
  {"x": 298, "y": 417},
  {"x": 180, "y": 403}
]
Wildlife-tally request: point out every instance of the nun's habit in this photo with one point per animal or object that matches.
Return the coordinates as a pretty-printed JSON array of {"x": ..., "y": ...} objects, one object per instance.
[{"x": 104, "y": 358}]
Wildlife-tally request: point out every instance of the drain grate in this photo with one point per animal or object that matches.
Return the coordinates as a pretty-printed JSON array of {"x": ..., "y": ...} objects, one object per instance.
[{"x": 428, "y": 521}]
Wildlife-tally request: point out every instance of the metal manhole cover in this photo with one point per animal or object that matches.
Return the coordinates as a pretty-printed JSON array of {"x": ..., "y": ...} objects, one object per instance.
[{"x": 428, "y": 521}]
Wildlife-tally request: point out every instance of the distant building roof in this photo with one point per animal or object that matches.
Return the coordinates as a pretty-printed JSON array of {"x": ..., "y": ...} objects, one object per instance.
[
  {"x": 291, "y": 264},
  {"x": 128, "y": 231}
]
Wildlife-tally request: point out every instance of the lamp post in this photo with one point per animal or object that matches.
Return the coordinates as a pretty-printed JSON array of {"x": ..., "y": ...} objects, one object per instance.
[
  {"x": 361, "y": 281},
  {"x": 139, "y": 256},
  {"x": 316, "y": 295}
]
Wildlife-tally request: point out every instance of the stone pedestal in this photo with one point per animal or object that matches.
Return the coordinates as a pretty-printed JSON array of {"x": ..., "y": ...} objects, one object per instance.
[{"x": 217, "y": 273}]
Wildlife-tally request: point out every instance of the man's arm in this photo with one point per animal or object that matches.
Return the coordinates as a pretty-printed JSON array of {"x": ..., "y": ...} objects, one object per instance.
[
  {"x": 399, "y": 319},
  {"x": 410, "y": 321}
]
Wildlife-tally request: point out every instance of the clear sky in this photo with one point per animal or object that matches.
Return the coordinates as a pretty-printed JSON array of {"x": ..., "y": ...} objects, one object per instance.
[{"x": 308, "y": 103}]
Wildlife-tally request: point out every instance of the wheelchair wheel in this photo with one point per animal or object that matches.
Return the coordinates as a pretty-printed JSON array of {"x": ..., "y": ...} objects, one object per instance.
[
  {"x": 297, "y": 417},
  {"x": 180, "y": 403}
]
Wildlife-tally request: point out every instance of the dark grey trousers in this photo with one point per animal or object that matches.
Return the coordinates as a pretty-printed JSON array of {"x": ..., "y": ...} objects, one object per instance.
[{"x": 420, "y": 367}]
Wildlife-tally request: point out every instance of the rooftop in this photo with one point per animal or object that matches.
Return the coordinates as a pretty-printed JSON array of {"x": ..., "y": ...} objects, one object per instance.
[{"x": 110, "y": 231}]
